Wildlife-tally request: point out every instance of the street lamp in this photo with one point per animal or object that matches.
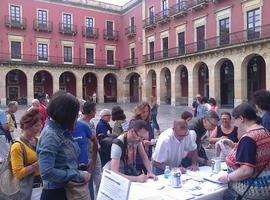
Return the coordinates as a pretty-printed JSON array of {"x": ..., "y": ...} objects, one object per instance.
[
  {"x": 183, "y": 74},
  {"x": 255, "y": 65}
]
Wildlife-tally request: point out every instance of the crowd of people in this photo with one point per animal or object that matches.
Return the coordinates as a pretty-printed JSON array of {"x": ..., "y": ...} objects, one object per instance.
[{"x": 64, "y": 152}]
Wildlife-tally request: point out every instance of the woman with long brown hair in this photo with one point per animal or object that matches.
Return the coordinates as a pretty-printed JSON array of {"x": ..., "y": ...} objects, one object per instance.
[{"x": 142, "y": 112}]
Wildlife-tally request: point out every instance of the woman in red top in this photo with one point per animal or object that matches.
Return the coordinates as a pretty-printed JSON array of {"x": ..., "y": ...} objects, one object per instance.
[{"x": 249, "y": 157}]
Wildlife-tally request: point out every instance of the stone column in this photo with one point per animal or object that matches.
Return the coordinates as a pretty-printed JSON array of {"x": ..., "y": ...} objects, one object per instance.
[
  {"x": 3, "y": 94},
  {"x": 55, "y": 78},
  {"x": 30, "y": 87},
  {"x": 100, "y": 86},
  {"x": 240, "y": 79},
  {"x": 79, "y": 86},
  {"x": 173, "y": 89},
  {"x": 121, "y": 90},
  {"x": 159, "y": 88},
  {"x": 192, "y": 86}
]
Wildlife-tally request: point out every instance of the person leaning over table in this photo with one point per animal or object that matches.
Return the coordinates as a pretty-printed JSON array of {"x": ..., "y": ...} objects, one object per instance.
[
  {"x": 173, "y": 145},
  {"x": 248, "y": 157},
  {"x": 30, "y": 124},
  {"x": 123, "y": 159},
  {"x": 57, "y": 151},
  {"x": 201, "y": 125}
]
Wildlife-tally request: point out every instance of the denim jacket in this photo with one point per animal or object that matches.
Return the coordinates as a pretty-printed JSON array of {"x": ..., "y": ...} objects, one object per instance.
[{"x": 57, "y": 156}]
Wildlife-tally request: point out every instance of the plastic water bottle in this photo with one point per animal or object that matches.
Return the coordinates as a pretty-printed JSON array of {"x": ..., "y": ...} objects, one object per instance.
[{"x": 167, "y": 172}]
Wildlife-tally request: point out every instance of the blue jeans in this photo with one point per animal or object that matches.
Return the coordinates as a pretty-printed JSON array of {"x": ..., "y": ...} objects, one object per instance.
[
  {"x": 157, "y": 171},
  {"x": 91, "y": 188},
  {"x": 154, "y": 122}
]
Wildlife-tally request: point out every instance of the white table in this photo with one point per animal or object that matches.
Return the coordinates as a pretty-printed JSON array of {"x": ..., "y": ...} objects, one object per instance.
[{"x": 193, "y": 187}]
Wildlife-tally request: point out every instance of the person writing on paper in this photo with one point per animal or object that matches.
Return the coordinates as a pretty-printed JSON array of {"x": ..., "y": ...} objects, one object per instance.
[
  {"x": 172, "y": 146},
  {"x": 124, "y": 149},
  {"x": 249, "y": 161}
]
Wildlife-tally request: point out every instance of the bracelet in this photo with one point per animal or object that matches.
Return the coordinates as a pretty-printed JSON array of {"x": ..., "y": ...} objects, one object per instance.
[{"x": 228, "y": 178}]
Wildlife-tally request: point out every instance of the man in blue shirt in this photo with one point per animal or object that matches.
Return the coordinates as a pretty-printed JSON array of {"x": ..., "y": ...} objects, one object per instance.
[{"x": 83, "y": 135}]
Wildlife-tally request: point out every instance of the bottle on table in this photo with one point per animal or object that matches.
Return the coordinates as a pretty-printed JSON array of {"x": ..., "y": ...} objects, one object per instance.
[{"x": 167, "y": 172}]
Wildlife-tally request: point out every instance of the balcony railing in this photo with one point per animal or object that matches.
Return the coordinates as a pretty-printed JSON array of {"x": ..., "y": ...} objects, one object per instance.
[
  {"x": 130, "y": 62},
  {"x": 15, "y": 22},
  {"x": 43, "y": 26},
  {"x": 179, "y": 9},
  {"x": 198, "y": 4},
  {"x": 90, "y": 32},
  {"x": 110, "y": 35},
  {"x": 235, "y": 38},
  {"x": 67, "y": 29},
  {"x": 130, "y": 31},
  {"x": 149, "y": 22},
  {"x": 163, "y": 16},
  {"x": 54, "y": 61}
]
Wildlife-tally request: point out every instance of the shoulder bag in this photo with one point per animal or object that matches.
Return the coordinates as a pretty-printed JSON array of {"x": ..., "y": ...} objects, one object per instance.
[{"x": 12, "y": 188}]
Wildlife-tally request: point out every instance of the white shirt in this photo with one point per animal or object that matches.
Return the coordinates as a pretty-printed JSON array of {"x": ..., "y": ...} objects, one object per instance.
[{"x": 170, "y": 151}]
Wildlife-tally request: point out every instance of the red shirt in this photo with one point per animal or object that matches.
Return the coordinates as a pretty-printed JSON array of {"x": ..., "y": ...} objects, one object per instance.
[{"x": 43, "y": 112}]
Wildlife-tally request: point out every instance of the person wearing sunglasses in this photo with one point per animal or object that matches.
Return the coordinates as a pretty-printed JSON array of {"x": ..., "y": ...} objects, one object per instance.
[
  {"x": 124, "y": 149},
  {"x": 173, "y": 145}
]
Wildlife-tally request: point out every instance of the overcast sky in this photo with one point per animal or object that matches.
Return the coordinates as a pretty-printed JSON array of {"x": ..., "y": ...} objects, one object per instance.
[{"x": 116, "y": 2}]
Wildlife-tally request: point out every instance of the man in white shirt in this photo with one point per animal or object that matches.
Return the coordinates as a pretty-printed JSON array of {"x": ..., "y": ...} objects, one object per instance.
[{"x": 173, "y": 145}]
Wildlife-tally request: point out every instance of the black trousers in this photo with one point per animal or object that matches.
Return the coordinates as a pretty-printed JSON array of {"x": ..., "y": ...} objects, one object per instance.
[{"x": 51, "y": 194}]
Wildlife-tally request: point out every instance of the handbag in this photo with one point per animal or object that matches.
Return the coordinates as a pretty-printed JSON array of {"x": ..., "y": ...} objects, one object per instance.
[
  {"x": 75, "y": 190},
  {"x": 12, "y": 188}
]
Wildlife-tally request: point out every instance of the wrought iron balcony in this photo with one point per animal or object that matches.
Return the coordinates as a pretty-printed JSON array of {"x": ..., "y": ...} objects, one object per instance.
[
  {"x": 179, "y": 9},
  {"x": 225, "y": 40},
  {"x": 196, "y": 5},
  {"x": 149, "y": 23},
  {"x": 15, "y": 22},
  {"x": 130, "y": 31},
  {"x": 90, "y": 32},
  {"x": 130, "y": 62},
  {"x": 43, "y": 26},
  {"x": 54, "y": 61},
  {"x": 163, "y": 16},
  {"x": 110, "y": 35},
  {"x": 67, "y": 29}
]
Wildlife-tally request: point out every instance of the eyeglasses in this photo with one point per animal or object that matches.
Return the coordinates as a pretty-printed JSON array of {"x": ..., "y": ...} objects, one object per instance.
[{"x": 141, "y": 138}]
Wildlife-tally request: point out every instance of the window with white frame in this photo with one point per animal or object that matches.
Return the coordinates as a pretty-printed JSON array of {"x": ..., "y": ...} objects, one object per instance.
[
  {"x": 110, "y": 57},
  {"x": 224, "y": 31},
  {"x": 89, "y": 55},
  {"x": 67, "y": 54},
  {"x": 43, "y": 52},
  {"x": 15, "y": 49},
  {"x": 253, "y": 23},
  {"x": 15, "y": 13},
  {"x": 42, "y": 17},
  {"x": 67, "y": 22}
]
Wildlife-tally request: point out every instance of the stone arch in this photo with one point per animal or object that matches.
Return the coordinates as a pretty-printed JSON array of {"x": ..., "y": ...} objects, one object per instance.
[
  {"x": 43, "y": 83},
  {"x": 224, "y": 82},
  {"x": 67, "y": 82},
  {"x": 16, "y": 86},
  {"x": 253, "y": 69},
  {"x": 89, "y": 84},
  {"x": 133, "y": 85},
  {"x": 201, "y": 79},
  {"x": 165, "y": 86},
  {"x": 181, "y": 85},
  {"x": 110, "y": 88}
]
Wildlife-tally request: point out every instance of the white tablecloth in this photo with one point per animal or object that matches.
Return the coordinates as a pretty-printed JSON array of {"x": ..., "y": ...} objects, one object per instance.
[{"x": 193, "y": 187}]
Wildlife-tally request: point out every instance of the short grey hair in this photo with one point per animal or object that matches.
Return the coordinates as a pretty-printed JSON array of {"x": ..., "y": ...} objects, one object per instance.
[{"x": 211, "y": 115}]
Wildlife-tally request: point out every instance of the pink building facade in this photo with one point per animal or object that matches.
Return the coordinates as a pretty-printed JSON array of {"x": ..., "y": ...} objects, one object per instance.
[{"x": 171, "y": 49}]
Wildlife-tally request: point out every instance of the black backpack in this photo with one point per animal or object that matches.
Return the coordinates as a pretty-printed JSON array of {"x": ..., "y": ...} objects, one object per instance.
[{"x": 106, "y": 145}]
